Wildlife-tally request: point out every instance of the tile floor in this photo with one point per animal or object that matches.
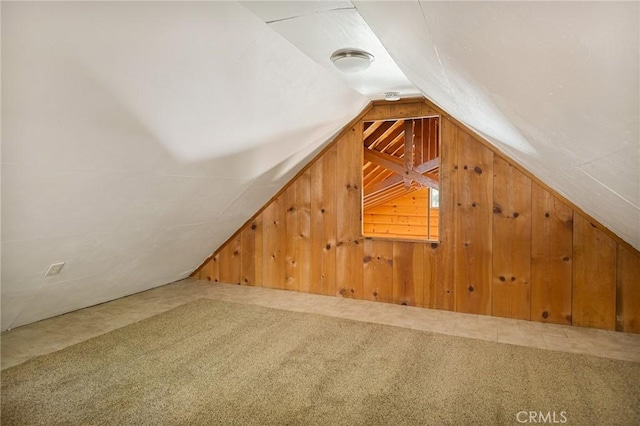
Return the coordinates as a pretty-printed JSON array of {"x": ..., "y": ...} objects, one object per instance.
[{"x": 26, "y": 342}]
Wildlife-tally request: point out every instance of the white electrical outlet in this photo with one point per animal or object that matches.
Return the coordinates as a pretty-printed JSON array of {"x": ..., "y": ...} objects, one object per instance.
[{"x": 54, "y": 269}]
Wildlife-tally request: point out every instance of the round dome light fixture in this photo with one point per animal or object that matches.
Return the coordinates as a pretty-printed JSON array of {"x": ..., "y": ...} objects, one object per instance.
[
  {"x": 391, "y": 96},
  {"x": 350, "y": 60}
]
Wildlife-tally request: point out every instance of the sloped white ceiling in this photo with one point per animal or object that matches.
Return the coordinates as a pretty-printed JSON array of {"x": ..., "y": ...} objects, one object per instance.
[
  {"x": 555, "y": 85},
  {"x": 138, "y": 136}
]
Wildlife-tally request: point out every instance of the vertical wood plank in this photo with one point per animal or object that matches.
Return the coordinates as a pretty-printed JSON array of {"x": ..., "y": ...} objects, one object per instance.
[
  {"x": 408, "y": 261},
  {"x": 511, "y": 292},
  {"x": 247, "y": 258},
  {"x": 349, "y": 248},
  {"x": 303, "y": 220},
  {"x": 431, "y": 256},
  {"x": 323, "y": 224},
  {"x": 551, "y": 258},
  {"x": 628, "y": 291},
  {"x": 474, "y": 192},
  {"x": 215, "y": 268},
  {"x": 274, "y": 242},
  {"x": 378, "y": 270},
  {"x": 291, "y": 246},
  {"x": 442, "y": 294},
  {"x": 205, "y": 272},
  {"x": 230, "y": 258},
  {"x": 251, "y": 259},
  {"x": 594, "y": 276}
]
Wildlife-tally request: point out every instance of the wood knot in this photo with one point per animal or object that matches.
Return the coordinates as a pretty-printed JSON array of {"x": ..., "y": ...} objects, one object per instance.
[
  {"x": 235, "y": 253},
  {"x": 502, "y": 278},
  {"x": 546, "y": 214},
  {"x": 473, "y": 204},
  {"x": 290, "y": 209},
  {"x": 348, "y": 186},
  {"x": 455, "y": 167},
  {"x": 434, "y": 245},
  {"x": 339, "y": 243},
  {"x": 470, "y": 288},
  {"x": 328, "y": 246},
  {"x": 356, "y": 242},
  {"x": 513, "y": 279},
  {"x": 246, "y": 280},
  {"x": 366, "y": 259},
  {"x": 545, "y": 314},
  {"x": 459, "y": 205},
  {"x": 478, "y": 170},
  {"x": 497, "y": 209},
  {"x": 352, "y": 291},
  {"x": 253, "y": 227},
  {"x": 343, "y": 291},
  {"x": 404, "y": 303},
  {"x": 465, "y": 167},
  {"x": 322, "y": 211},
  {"x": 375, "y": 294},
  {"x": 467, "y": 244},
  {"x": 516, "y": 214},
  {"x": 566, "y": 258}
]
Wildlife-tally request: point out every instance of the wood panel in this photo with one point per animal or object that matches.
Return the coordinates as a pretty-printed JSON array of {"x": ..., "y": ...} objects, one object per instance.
[
  {"x": 303, "y": 231},
  {"x": 408, "y": 273},
  {"x": 274, "y": 234},
  {"x": 378, "y": 270},
  {"x": 594, "y": 276},
  {"x": 473, "y": 188},
  {"x": 251, "y": 249},
  {"x": 291, "y": 245},
  {"x": 430, "y": 275},
  {"x": 349, "y": 247},
  {"x": 628, "y": 291},
  {"x": 323, "y": 224},
  {"x": 230, "y": 261},
  {"x": 578, "y": 273},
  {"x": 551, "y": 257},
  {"x": 511, "y": 291},
  {"x": 442, "y": 295}
]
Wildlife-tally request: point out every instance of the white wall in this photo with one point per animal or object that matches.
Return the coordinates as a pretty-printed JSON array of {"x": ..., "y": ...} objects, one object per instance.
[{"x": 137, "y": 137}]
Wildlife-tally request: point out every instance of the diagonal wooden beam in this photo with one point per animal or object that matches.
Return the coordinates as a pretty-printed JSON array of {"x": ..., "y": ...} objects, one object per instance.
[
  {"x": 384, "y": 127},
  {"x": 396, "y": 165},
  {"x": 428, "y": 166},
  {"x": 383, "y": 185}
]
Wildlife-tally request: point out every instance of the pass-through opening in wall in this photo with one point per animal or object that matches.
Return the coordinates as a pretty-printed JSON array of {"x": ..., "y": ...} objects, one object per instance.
[{"x": 400, "y": 179}]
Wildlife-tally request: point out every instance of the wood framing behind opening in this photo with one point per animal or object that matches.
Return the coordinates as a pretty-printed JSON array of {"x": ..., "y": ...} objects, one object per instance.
[
  {"x": 509, "y": 246},
  {"x": 400, "y": 178}
]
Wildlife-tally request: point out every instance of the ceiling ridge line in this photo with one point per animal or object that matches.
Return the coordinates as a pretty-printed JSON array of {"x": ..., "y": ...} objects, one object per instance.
[{"x": 308, "y": 14}]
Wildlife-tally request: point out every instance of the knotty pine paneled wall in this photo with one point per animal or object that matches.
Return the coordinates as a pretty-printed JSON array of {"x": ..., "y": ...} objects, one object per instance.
[
  {"x": 509, "y": 247},
  {"x": 404, "y": 217}
]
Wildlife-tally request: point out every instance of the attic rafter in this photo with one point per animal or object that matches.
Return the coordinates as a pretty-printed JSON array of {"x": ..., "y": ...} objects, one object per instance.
[
  {"x": 379, "y": 133},
  {"x": 396, "y": 165},
  {"x": 428, "y": 166}
]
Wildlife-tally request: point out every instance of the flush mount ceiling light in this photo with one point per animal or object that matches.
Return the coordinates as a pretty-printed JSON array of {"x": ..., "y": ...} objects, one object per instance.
[
  {"x": 391, "y": 96},
  {"x": 351, "y": 60}
]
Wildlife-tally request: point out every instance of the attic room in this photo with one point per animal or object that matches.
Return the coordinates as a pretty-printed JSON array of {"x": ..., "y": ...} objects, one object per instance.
[{"x": 320, "y": 212}]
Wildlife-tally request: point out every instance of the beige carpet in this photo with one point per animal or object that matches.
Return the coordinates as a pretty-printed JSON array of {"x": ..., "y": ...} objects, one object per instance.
[{"x": 210, "y": 362}]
